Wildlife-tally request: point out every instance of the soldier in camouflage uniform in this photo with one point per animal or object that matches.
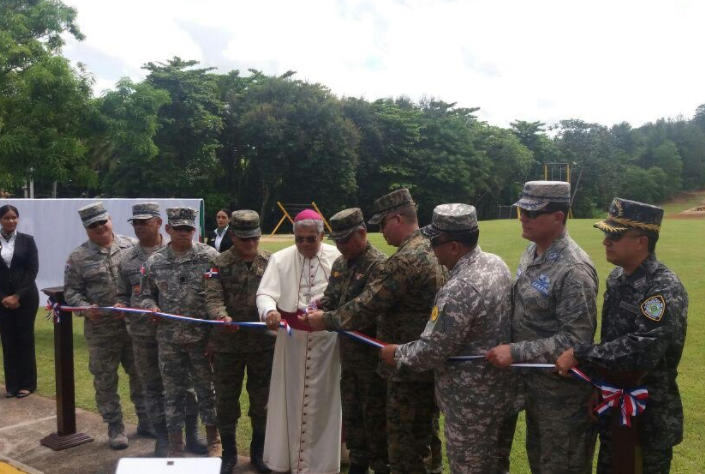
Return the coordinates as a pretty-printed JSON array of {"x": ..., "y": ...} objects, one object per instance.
[
  {"x": 231, "y": 290},
  {"x": 644, "y": 320},
  {"x": 173, "y": 282},
  {"x": 472, "y": 313},
  {"x": 554, "y": 309},
  {"x": 90, "y": 279},
  {"x": 363, "y": 392},
  {"x": 147, "y": 222},
  {"x": 402, "y": 296}
]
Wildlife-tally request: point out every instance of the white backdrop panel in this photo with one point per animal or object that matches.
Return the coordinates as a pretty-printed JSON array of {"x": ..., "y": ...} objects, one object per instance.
[{"x": 58, "y": 230}]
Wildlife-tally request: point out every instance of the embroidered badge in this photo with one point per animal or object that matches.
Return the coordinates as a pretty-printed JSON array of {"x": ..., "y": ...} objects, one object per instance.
[
  {"x": 541, "y": 285},
  {"x": 336, "y": 274},
  {"x": 143, "y": 270},
  {"x": 552, "y": 256},
  {"x": 519, "y": 272},
  {"x": 212, "y": 273},
  {"x": 434, "y": 313},
  {"x": 653, "y": 308}
]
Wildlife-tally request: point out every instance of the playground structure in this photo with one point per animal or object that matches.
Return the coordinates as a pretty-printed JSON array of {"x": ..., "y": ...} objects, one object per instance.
[{"x": 295, "y": 209}]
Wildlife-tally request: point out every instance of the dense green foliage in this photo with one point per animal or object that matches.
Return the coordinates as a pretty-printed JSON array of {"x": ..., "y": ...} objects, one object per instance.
[{"x": 247, "y": 140}]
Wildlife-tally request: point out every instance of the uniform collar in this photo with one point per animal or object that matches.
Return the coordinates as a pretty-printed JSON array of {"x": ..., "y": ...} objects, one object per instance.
[
  {"x": 186, "y": 256},
  {"x": 466, "y": 260},
  {"x": 100, "y": 249},
  {"x": 553, "y": 250},
  {"x": 409, "y": 238},
  {"x": 646, "y": 268}
]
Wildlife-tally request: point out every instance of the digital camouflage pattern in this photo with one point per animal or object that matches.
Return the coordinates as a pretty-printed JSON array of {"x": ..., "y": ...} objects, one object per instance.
[
  {"x": 363, "y": 392},
  {"x": 94, "y": 212},
  {"x": 472, "y": 314},
  {"x": 90, "y": 277},
  {"x": 233, "y": 293},
  {"x": 644, "y": 322},
  {"x": 539, "y": 194},
  {"x": 176, "y": 285},
  {"x": 452, "y": 219},
  {"x": 555, "y": 309},
  {"x": 400, "y": 300}
]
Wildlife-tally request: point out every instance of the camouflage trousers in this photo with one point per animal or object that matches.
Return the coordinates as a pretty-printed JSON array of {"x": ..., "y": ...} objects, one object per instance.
[
  {"x": 229, "y": 374},
  {"x": 505, "y": 441},
  {"x": 560, "y": 437},
  {"x": 180, "y": 364},
  {"x": 363, "y": 396},
  {"x": 411, "y": 407},
  {"x": 146, "y": 352},
  {"x": 472, "y": 435},
  {"x": 654, "y": 461},
  {"x": 104, "y": 358}
]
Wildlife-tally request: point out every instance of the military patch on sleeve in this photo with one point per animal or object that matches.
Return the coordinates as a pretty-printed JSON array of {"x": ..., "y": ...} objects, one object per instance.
[
  {"x": 336, "y": 274},
  {"x": 653, "y": 308},
  {"x": 434, "y": 314}
]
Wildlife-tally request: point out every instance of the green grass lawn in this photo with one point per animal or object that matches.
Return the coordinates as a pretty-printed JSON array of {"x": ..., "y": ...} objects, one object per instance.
[{"x": 682, "y": 248}]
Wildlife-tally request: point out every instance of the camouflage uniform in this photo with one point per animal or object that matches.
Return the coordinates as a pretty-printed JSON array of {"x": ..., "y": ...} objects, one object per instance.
[
  {"x": 644, "y": 320},
  {"x": 91, "y": 277},
  {"x": 175, "y": 284},
  {"x": 143, "y": 332},
  {"x": 232, "y": 294},
  {"x": 402, "y": 297},
  {"x": 363, "y": 392},
  {"x": 471, "y": 315},
  {"x": 554, "y": 309}
]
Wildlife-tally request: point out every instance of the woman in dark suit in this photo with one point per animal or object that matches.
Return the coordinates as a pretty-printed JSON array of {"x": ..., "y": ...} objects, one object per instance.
[
  {"x": 20, "y": 300},
  {"x": 220, "y": 239}
]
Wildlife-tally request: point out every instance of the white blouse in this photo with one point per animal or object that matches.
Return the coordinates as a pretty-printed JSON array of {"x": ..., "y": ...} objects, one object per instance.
[{"x": 8, "y": 247}]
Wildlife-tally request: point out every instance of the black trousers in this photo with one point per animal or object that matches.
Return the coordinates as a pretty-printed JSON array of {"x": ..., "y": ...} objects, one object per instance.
[{"x": 17, "y": 335}]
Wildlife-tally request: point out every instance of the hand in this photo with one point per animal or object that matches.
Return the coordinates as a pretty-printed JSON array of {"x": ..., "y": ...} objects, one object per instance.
[
  {"x": 154, "y": 318},
  {"x": 591, "y": 404},
  {"x": 228, "y": 327},
  {"x": 273, "y": 319},
  {"x": 119, "y": 314},
  {"x": 11, "y": 302},
  {"x": 314, "y": 319},
  {"x": 93, "y": 313},
  {"x": 500, "y": 356},
  {"x": 387, "y": 354},
  {"x": 566, "y": 362}
]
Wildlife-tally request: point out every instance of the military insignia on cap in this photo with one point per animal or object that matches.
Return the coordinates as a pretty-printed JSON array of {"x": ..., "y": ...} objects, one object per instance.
[
  {"x": 653, "y": 308},
  {"x": 434, "y": 313}
]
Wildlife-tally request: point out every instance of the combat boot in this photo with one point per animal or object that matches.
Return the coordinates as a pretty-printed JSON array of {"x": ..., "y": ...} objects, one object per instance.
[
  {"x": 176, "y": 444},
  {"x": 215, "y": 449},
  {"x": 257, "y": 451},
  {"x": 144, "y": 427},
  {"x": 357, "y": 468},
  {"x": 229, "y": 457},
  {"x": 194, "y": 443},
  {"x": 116, "y": 435},
  {"x": 161, "y": 447}
]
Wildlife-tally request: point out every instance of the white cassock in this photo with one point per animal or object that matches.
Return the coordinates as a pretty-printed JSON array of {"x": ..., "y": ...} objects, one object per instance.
[{"x": 303, "y": 412}]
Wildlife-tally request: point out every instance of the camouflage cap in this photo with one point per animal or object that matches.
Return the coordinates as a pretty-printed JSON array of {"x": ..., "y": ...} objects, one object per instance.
[
  {"x": 245, "y": 224},
  {"x": 182, "y": 216},
  {"x": 453, "y": 219},
  {"x": 538, "y": 194},
  {"x": 91, "y": 213},
  {"x": 144, "y": 211},
  {"x": 624, "y": 215},
  {"x": 345, "y": 222},
  {"x": 390, "y": 202}
]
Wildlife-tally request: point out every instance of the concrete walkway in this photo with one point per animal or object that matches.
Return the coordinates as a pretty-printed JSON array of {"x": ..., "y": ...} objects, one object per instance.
[{"x": 24, "y": 422}]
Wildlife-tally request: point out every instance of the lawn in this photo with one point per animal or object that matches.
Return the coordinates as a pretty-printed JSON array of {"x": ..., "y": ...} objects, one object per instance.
[{"x": 681, "y": 248}]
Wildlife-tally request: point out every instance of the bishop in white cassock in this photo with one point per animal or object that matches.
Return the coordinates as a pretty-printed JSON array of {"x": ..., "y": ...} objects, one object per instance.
[{"x": 303, "y": 412}]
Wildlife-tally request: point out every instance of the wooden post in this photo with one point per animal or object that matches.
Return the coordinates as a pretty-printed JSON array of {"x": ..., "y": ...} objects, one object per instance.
[{"x": 66, "y": 435}]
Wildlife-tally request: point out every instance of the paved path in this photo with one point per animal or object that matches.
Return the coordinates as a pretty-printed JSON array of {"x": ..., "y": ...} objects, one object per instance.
[{"x": 23, "y": 422}]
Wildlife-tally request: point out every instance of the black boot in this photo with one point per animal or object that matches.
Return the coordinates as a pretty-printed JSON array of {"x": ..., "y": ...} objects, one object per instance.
[
  {"x": 229, "y": 456},
  {"x": 194, "y": 443},
  {"x": 256, "y": 452},
  {"x": 357, "y": 468},
  {"x": 161, "y": 447}
]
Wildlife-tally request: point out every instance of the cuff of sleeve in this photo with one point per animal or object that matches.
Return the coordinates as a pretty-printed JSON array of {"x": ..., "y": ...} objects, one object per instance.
[
  {"x": 515, "y": 349},
  {"x": 331, "y": 321},
  {"x": 265, "y": 311},
  {"x": 398, "y": 356},
  {"x": 580, "y": 351}
]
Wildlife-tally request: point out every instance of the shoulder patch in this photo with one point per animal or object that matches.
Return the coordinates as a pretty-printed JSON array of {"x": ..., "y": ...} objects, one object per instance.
[
  {"x": 336, "y": 274},
  {"x": 434, "y": 313},
  {"x": 654, "y": 307}
]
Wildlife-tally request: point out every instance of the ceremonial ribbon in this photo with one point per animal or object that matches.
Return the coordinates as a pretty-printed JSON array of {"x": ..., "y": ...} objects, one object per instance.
[{"x": 631, "y": 401}]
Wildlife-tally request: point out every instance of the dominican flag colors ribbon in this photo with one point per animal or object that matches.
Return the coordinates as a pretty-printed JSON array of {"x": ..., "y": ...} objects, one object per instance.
[{"x": 631, "y": 401}]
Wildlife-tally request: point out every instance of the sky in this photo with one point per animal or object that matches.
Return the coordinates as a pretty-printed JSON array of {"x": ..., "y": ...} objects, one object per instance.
[{"x": 541, "y": 60}]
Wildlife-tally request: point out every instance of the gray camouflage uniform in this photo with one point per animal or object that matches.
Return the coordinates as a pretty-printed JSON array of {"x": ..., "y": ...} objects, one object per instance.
[
  {"x": 471, "y": 315},
  {"x": 554, "y": 309},
  {"x": 91, "y": 277},
  {"x": 175, "y": 284}
]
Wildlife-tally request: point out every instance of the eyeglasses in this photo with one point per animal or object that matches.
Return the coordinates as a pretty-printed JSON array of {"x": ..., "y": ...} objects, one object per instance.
[
  {"x": 97, "y": 224},
  {"x": 535, "y": 214},
  {"x": 309, "y": 239},
  {"x": 618, "y": 237}
]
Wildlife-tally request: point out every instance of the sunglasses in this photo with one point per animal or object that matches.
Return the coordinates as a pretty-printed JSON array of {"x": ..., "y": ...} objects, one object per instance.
[
  {"x": 310, "y": 240},
  {"x": 97, "y": 224},
  {"x": 249, "y": 239},
  {"x": 345, "y": 239},
  {"x": 618, "y": 237},
  {"x": 437, "y": 242},
  {"x": 535, "y": 214}
]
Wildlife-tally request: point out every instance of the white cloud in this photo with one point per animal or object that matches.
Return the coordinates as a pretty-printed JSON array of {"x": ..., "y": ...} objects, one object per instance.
[{"x": 597, "y": 60}]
